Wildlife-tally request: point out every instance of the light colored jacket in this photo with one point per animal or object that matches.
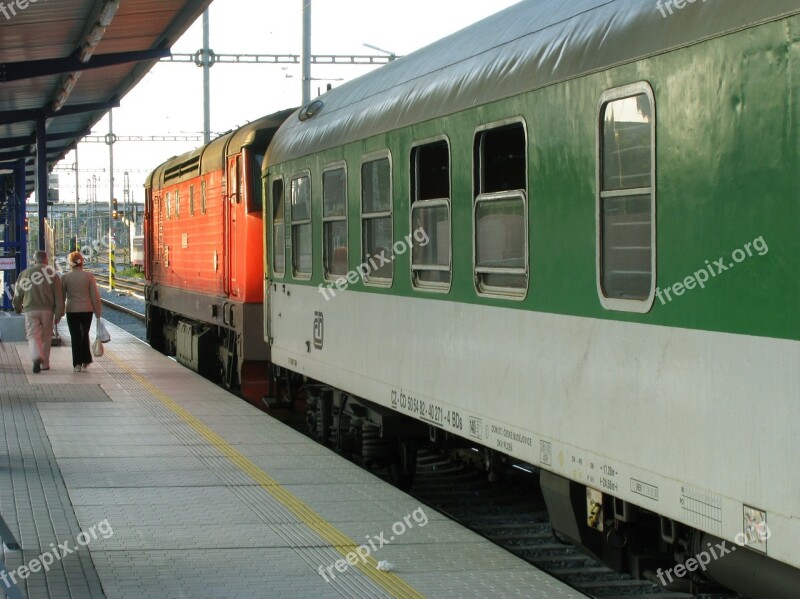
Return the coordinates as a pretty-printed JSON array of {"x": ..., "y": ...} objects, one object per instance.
[
  {"x": 81, "y": 293},
  {"x": 39, "y": 288}
]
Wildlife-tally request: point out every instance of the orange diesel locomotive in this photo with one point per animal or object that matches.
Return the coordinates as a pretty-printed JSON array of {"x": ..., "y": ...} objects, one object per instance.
[{"x": 204, "y": 260}]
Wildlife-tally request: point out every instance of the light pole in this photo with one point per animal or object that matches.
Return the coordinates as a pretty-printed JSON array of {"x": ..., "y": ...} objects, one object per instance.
[
  {"x": 88, "y": 201},
  {"x": 306, "y": 57},
  {"x": 77, "y": 199},
  {"x": 110, "y": 139},
  {"x": 94, "y": 209},
  {"x": 206, "y": 80}
]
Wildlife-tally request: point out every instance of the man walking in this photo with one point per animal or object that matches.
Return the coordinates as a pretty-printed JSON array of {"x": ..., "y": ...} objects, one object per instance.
[{"x": 38, "y": 296}]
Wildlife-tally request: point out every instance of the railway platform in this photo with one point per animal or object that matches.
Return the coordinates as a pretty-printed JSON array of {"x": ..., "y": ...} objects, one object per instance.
[{"x": 140, "y": 479}]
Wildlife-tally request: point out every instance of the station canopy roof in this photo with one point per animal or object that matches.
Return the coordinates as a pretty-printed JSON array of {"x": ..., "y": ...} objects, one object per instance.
[{"x": 67, "y": 62}]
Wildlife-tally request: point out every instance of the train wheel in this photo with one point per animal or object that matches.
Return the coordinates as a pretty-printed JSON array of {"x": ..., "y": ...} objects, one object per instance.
[{"x": 403, "y": 468}]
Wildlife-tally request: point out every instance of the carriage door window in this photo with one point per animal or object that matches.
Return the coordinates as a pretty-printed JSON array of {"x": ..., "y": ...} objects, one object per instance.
[
  {"x": 278, "y": 229},
  {"x": 334, "y": 222},
  {"x": 376, "y": 219},
  {"x": 301, "y": 227},
  {"x": 501, "y": 211},
  {"x": 626, "y": 199},
  {"x": 430, "y": 215}
]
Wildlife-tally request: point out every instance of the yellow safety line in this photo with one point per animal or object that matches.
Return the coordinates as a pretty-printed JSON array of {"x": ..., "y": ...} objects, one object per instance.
[{"x": 393, "y": 584}]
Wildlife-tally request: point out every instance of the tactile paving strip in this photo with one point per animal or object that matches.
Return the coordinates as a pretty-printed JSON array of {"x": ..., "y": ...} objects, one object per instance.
[{"x": 309, "y": 546}]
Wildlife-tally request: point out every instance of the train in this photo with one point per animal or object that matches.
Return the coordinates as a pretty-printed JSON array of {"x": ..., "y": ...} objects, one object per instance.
[
  {"x": 203, "y": 232},
  {"x": 137, "y": 252},
  {"x": 565, "y": 237}
]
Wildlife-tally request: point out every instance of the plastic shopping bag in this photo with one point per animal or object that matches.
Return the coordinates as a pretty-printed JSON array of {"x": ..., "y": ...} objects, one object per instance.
[
  {"x": 97, "y": 348},
  {"x": 101, "y": 332}
]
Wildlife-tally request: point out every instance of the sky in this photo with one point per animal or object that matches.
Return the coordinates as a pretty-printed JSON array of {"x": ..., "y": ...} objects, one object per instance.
[{"x": 169, "y": 99}]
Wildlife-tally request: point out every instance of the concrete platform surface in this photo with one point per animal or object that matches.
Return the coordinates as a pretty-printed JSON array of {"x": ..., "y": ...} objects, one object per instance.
[{"x": 140, "y": 479}]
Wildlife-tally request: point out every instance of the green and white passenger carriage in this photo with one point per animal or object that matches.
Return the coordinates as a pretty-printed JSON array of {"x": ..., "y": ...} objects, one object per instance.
[{"x": 606, "y": 280}]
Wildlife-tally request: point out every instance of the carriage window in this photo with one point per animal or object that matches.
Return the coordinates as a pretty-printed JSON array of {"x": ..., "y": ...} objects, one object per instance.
[
  {"x": 626, "y": 199},
  {"x": 301, "y": 227},
  {"x": 203, "y": 196},
  {"x": 191, "y": 200},
  {"x": 500, "y": 211},
  {"x": 430, "y": 215},
  {"x": 168, "y": 202},
  {"x": 376, "y": 219},
  {"x": 334, "y": 222},
  {"x": 278, "y": 229}
]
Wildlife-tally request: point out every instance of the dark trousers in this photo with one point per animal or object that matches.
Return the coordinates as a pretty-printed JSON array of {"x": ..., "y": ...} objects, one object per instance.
[{"x": 80, "y": 323}]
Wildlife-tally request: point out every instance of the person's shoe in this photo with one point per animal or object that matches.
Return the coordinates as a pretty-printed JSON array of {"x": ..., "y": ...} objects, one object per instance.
[
  {"x": 37, "y": 366},
  {"x": 77, "y": 368},
  {"x": 45, "y": 368},
  {"x": 86, "y": 366}
]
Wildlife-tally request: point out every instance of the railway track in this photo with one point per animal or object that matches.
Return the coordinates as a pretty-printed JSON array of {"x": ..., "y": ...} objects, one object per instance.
[
  {"x": 132, "y": 284},
  {"x": 511, "y": 513},
  {"x": 123, "y": 309}
]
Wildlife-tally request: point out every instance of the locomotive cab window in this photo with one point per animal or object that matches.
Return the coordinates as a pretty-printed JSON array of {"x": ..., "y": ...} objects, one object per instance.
[
  {"x": 334, "y": 222},
  {"x": 278, "y": 229},
  {"x": 177, "y": 204},
  {"x": 301, "y": 227},
  {"x": 203, "y": 196},
  {"x": 376, "y": 219},
  {"x": 430, "y": 216},
  {"x": 168, "y": 202},
  {"x": 500, "y": 214},
  {"x": 255, "y": 202},
  {"x": 235, "y": 179},
  {"x": 626, "y": 199},
  {"x": 191, "y": 200}
]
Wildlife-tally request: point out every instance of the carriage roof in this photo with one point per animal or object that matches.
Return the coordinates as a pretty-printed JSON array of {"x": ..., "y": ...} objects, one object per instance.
[
  {"x": 211, "y": 157},
  {"x": 527, "y": 46}
]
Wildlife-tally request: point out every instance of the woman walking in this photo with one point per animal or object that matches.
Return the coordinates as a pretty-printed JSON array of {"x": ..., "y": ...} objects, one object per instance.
[{"x": 82, "y": 301}]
